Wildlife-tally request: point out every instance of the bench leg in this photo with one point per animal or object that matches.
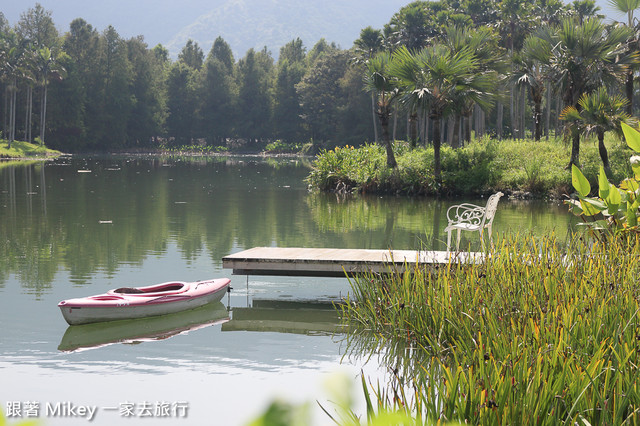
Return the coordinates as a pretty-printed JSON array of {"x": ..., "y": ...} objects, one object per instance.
[
  {"x": 449, "y": 240},
  {"x": 458, "y": 240}
]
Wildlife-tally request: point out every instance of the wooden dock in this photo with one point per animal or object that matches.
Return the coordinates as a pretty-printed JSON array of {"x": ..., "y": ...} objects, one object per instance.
[{"x": 330, "y": 262}]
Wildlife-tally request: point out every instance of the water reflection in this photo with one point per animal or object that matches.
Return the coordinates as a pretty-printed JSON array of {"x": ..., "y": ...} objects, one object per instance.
[
  {"x": 282, "y": 316},
  {"x": 91, "y": 336},
  {"x": 401, "y": 356},
  {"x": 419, "y": 223},
  {"x": 89, "y": 215}
]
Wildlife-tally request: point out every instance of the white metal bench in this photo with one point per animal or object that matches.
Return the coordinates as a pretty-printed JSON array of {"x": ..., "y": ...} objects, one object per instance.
[{"x": 469, "y": 217}]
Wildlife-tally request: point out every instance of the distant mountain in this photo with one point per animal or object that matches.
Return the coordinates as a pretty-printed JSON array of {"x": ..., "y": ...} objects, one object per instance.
[
  {"x": 248, "y": 24},
  {"x": 242, "y": 23}
]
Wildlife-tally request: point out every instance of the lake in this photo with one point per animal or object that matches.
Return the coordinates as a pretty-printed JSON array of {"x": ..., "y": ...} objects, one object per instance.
[{"x": 78, "y": 226}]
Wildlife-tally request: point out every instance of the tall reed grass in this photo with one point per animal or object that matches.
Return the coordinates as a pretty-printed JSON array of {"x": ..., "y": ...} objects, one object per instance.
[{"x": 539, "y": 333}]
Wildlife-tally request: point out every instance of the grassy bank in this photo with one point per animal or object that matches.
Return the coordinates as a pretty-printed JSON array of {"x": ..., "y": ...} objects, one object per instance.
[
  {"x": 528, "y": 337},
  {"x": 21, "y": 150},
  {"x": 483, "y": 166}
]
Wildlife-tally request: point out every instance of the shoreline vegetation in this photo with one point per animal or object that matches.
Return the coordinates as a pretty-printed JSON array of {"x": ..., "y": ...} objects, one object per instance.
[
  {"x": 25, "y": 151},
  {"x": 519, "y": 168},
  {"x": 547, "y": 336}
]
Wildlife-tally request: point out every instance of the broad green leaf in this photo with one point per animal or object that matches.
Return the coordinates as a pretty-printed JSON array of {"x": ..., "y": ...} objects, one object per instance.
[
  {"x": 632, "y": 136},
  {"x": 580, "y": 183},
  {"x": 603, "y": 184},
  {"x": 614, "y": 196},
  {"x": 589, "y": 209},
  {"x": 613, "y": 200},
  {"x": 636, "y": 170},
  {"x": 595, "y": 202}
]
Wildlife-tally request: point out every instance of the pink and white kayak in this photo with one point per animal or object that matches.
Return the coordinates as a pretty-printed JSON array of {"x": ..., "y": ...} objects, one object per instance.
[{"x": 140, "y": 302}]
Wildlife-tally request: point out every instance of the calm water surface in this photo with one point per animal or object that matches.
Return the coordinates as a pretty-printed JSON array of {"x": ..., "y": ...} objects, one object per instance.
[{"x": 80, "y": 226}]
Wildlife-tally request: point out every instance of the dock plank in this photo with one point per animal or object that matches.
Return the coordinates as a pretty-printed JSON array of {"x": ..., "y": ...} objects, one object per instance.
[{"x": 333, "y": 262}]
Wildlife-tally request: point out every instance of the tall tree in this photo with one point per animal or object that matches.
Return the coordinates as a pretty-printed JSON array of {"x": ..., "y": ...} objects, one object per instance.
[
  {"x": 585, "y": 9},
  {"x": 36, "y": 25},
  {"x": 254, "y": 99},
  {"x": 434, "y": 80},
  {"x": 385, "y": 89},
  {"x": 484, "y": 45},
  {"x": 181, "y": 102},
  {"x": 366, "y": 47},
  {"x": 293, "y": 51},
  {"x": 83, "y": 82},
  {"x": 12, "y": 58},
  {"x": 597, "y": 114},
  {"x": 49, "y": 65},
  {"x": 320, "y": 96},
  {"x": 628, "y": 7},
  {"x": 191, "y": 55},
  {"x": 287, "y": 112},
  {"x": 222, "y": 52},
  {"x": 115, "y": 97},
  {"x": 216, "y": 94},
  {"x": 413, "y": 25},
  {"x": 143, "y": 122},
  {"x": 321, "y": 48},
  {"x": 530, "y": 71},
  {"x": 581, "y": 58}
]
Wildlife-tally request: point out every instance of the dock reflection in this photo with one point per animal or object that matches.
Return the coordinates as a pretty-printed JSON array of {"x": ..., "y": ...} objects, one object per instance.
[{"x": 283, "y": 316}]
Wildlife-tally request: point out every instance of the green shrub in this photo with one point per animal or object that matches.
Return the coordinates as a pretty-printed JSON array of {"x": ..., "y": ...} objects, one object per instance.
[
  {"x": 483, "y": 166},
  {"x": 280, "y": 147}
]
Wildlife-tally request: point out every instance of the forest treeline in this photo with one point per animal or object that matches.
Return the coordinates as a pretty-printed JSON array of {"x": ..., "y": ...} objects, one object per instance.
[{"x": 86, "y": 90}]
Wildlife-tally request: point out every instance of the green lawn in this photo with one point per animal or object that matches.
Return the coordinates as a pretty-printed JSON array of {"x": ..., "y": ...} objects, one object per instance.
[{"x": 25, "y": 150}]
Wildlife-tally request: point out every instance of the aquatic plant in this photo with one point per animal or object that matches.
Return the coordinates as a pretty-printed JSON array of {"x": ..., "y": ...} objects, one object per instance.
[
  {"x": 616, "y": 208},
  {"x": 538, "y": 333}
]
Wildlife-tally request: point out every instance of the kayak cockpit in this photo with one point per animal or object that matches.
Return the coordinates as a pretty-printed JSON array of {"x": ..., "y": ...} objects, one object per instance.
[{"x": 155, "y": 290}]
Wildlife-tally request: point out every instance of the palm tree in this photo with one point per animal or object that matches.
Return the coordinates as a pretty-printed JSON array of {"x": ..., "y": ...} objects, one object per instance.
[
  {"x": 597, "y": 114},
  {"x": 366, "y": 47},
  {"x": 484, "y": 45},
  {"x": 628, "y": 7},
  {"x": 585, "y": 9},
  {"x": 530, "y": 71},
  {"x": 48, "y": 63},
  {"x": 434, "y": 80},
  {"x": 384, "y": 87},
  {"x": 581, "y": 58},
  {"x": 12, "y": 61}
]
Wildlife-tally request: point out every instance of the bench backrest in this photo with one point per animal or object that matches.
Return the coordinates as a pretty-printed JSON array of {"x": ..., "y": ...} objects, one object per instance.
[{"x": 492, "y": 207}]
